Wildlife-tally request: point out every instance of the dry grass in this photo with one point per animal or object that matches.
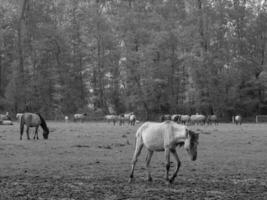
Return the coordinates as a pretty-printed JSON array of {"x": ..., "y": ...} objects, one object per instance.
[{"x": 92, "y": 161}]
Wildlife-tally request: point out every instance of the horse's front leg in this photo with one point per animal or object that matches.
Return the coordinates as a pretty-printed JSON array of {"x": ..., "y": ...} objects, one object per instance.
[
  {"x": 36, "y": 133},
  {"x": 27, "y": 131},
  {"x": 167, "y": 160},
  {"x": 175, "y": 155}
]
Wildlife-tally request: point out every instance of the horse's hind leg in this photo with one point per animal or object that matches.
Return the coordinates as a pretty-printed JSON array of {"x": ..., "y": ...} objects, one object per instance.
[
  {"x": 27, "y": 131},
  {"x": 175, "y": 155},
  {"x": 21, "y": 131},
  {"x": 167, "y": 159},
  {"x": 138, "y": 149},
  {"x": 148, "y": 159}
]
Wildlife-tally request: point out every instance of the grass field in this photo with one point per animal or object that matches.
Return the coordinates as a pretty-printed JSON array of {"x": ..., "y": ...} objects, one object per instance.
[{"x": 92, "y": 161}]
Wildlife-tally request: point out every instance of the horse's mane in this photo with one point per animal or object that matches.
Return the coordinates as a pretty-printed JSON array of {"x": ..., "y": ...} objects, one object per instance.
[
  {"x": 43, "y": 123},
  {"x": 194, "y": 136}
]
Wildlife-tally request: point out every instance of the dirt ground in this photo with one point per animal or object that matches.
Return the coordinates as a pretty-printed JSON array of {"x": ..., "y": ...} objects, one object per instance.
[{"x": 92, "y": 161}]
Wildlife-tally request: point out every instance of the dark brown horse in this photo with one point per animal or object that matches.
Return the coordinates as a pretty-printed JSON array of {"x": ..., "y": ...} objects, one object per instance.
[{"x": 33, "y": 120}]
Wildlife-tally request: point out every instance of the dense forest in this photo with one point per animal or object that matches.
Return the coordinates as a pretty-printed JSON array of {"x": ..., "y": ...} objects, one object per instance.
[{"x": 59, "y": 57}]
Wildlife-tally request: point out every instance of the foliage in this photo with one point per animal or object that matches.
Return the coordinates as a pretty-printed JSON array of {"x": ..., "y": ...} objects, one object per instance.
[{"x": 151, "y": 57}]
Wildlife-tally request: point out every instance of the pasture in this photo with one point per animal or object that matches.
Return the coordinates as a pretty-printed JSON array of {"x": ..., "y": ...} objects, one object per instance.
[{"x": 92, "y": 161}]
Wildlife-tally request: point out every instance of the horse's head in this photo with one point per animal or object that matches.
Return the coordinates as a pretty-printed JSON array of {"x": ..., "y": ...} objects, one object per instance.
[
  {"x": 191, "y": 144},
  {"x": 45, "y": 134}
]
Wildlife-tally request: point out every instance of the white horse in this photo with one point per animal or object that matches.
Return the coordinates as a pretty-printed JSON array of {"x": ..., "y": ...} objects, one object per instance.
[
  {"x": 197, "y": 119},
  {"x": 79, "y": 117},
  {"x": 4, "y": 117},
  {"x": 238, "y": 119},
  {"x": 18, "y": 116},
  {"x": 132, "y": 120},
  {"x": 111, "y": 118},
  {"x": 127, "y": 117},
  {"x": 184, "y": 119},
  {"x": 165, "y": 136}
]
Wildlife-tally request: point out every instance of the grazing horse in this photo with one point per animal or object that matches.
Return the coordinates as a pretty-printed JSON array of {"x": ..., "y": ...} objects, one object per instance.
[
  {"x": 212, "y": 119},
  {"x": 238, "y": 119},
  {"x": 33, "y": 120},
  {"x": 197, "y": 119},
  {"x": 165, "y": 117},
  {"x": 165, "y": 136},
  {"x": 132, "y": 120},
  {"x": 111, "y": 118},
  {"x": 184, "y": 119},
  {"x": 79, "y": 117},
  {"x": 4, "y": 117},
  {"x": 176, "y": 117}
]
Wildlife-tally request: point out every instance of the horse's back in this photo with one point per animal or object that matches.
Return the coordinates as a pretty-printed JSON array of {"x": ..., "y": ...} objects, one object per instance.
[
  {"x": 185, "y": 117},
  {"x": 238, "y": 119},
  {"x": 156, "y": 135},
  {"x": 31, "y": 119},
  {"x": 197, "y": 117}
]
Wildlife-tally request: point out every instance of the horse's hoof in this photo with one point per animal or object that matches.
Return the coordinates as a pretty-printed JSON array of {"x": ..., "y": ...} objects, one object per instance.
[
  {"x": 149, "y": 179},
  {"x": 168, "y": 182}
]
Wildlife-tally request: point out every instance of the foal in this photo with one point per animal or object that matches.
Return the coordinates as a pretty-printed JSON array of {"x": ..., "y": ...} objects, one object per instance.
[{"x": 165, "y": 136}]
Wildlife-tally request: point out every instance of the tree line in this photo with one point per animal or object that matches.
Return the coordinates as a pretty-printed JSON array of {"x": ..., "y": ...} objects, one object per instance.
[{"x": 59, "y": 57}]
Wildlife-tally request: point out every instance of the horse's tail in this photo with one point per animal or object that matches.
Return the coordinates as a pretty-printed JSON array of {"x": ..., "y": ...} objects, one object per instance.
[
  {"x": 21, "y": 124},
  {"x": 138, "y": 136},
  {"x": 43, "y": 123}
]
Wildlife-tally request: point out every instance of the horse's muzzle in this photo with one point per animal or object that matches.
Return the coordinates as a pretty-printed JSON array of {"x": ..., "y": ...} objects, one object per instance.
[
  {"x": 194, "y": 157},
  {"x": 45, "y": 137}
]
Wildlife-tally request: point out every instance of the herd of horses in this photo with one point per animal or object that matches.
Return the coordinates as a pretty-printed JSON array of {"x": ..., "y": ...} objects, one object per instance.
[
  {"x": 165, "y": 136},
  {"x": 121, "y": 119},
  {"x": 155, "y": 136},
  {"x": 198, "y": 119}
]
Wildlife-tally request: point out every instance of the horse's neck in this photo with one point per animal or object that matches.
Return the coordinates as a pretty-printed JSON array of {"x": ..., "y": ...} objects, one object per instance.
[{"x": 180, "y": 134}]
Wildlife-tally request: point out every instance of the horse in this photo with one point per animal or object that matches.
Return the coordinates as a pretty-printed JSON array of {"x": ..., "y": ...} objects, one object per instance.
[
  {"x": 212, "y": 119},
  {"x": 111, "y": 118},
  {"x": 121, "y": 119},
  {"x": 164, "y": 136},
  {"x": 184, "y": 119},
  {"x": 33, "y": 120},
  {"x": 132, "y": 120},
  {"x": 79, "y": 117},
  {"x": 165, "y": 117},
  {"x": 6, "y": 122},
  {"x": 238, "y": 119},
  {"x": 4, "y": 117},
  {"x": 176, "y": 117},
  {"x": 18, "y": 116},
  {"x": 66, "y": 119},
  {"x": 197, "y": 119},
  {"x": 127, "y": 117}
]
